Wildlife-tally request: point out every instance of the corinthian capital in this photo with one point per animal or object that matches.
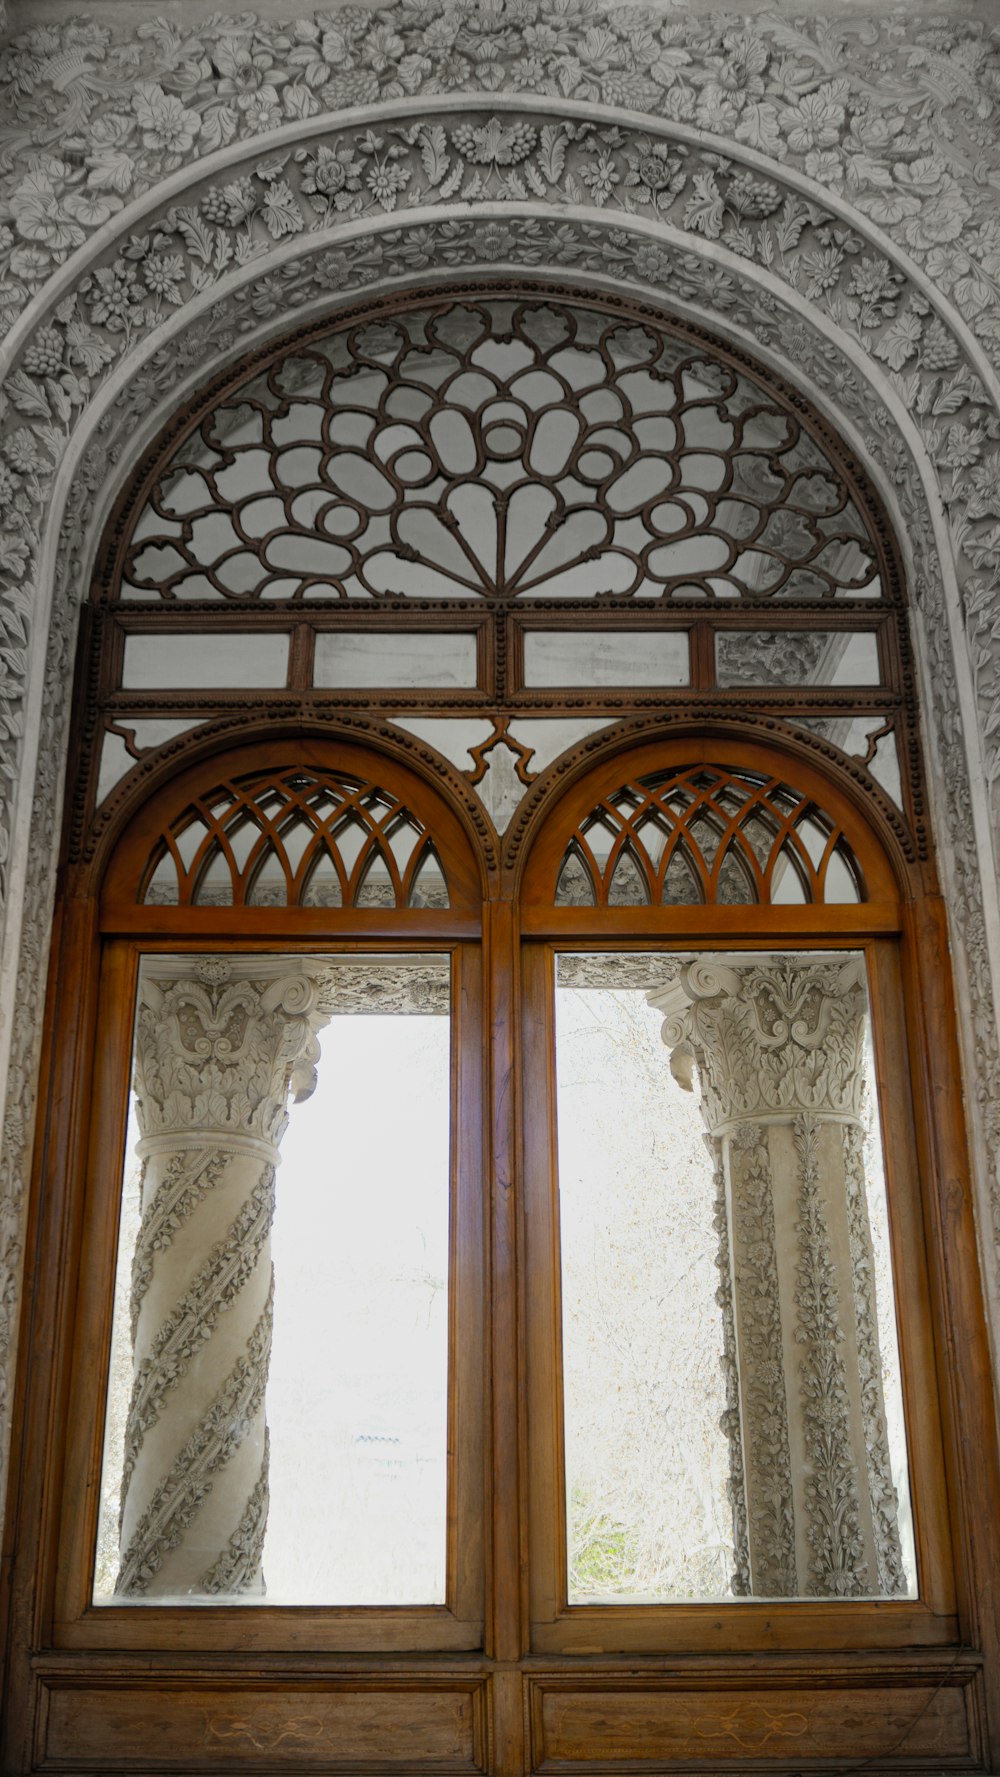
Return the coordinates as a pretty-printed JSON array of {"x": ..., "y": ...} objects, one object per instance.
[
  {"x": 221, "y": 1042},
  {"x": 769, "y": 1037}
]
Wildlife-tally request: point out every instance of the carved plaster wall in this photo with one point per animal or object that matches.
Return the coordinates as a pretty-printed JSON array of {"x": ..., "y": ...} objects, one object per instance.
[{"x": 822, "y": 192}]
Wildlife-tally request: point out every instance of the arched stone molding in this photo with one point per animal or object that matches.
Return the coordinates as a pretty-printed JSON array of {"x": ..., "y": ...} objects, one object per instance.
[{"x": 794, "y": 240}]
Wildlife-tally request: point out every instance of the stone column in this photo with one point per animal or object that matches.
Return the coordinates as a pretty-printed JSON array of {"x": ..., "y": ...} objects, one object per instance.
[
  {"x": 778, "y": 1045},
  {"x": 220, "y": 1044}
]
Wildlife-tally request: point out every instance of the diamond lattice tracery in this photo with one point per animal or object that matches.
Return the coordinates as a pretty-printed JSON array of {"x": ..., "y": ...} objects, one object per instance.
[{"x": 500, "y": 448}]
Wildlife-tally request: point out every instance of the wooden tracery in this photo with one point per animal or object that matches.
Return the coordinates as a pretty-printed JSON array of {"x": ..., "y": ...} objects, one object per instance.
[
  {"x": 295, "y": 837},
  {"x": 710, "y": 835}
]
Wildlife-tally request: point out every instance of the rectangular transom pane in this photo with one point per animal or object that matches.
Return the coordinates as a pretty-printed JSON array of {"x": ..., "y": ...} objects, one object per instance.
[
  {"x": 353, "y": 660},
  {"x": 284, "y": 1445},
  {"x": 196, "y": 662},
  {"x": 605, "y": 657},
  {"x": 733, "y": 1407},
  {"x": 797, "y": 657}
]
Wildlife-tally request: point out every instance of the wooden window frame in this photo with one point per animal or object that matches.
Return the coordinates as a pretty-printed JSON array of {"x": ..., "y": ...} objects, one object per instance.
[
  {"x": 558, "y": 1627},
  {"x": 454, "y": 1626},
  {"x": 934, "y": 1642}
]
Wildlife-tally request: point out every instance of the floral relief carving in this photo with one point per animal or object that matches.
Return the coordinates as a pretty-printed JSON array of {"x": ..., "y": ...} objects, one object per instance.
[
  {"x": 219, "y": 1434},
  {"x": 769, "y": 1039},
  {"x": 881, "y": 1491},
  {"x": 729, "y": 1422},
  {"x": 219, "y": 1053},
  {"x": 178, "y": 1193},
  {"x": 218, "y": 1284},
  {"x": 837, "y": 1563},
  {"x": 238, "y": 1567},
  {"x": 898, "y": 123},
  {"x": 769, "y": 1506}
]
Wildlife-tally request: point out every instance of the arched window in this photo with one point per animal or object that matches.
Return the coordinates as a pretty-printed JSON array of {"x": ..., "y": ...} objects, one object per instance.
[{"x": 492, "y": 1308}]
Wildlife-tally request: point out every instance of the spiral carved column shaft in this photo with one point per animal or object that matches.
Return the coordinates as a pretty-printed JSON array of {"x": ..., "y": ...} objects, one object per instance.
[
  {"x": 778, "y": 1045},
  {"x": 220, "y": 1044}
]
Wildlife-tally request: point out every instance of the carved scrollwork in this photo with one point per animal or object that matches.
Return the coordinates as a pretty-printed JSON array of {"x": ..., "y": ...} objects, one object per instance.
[
  {"x": 219, "y": 1055},
  {"x": 769, "y": 1039}
]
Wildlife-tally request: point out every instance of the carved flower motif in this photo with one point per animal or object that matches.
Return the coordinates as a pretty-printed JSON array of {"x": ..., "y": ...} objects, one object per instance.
[
  {"x": 741, "y": 67},
  {"x": 600, "y": 175},
  {"x": 39, "y": 214},
  {"x": 495, "y": 242},
  {"x": 30, "y": 264},
  {"x": 114, "y": 297},
  {"x": 655, "y": 173},
  {"x": 245, "y": 67},
  {"x": 824, "y": 165},
  {"x": 261, "y": 111},
  {"x": 386, "y": 179},
  {"x": 332, "y": 173},
  {"x": 815, "y": 121},
  {"x": 9, "y": 485},
  {"x": 964, "y": 446},
  {"x": 165, "y": 123},
  {"x": 877, "y": 288},
  {"x": 21, "y": 450},
  {"x": 940, "y": 218},
  {"x": 163, "y": 273},
  {"x": 652, "y": 264}
]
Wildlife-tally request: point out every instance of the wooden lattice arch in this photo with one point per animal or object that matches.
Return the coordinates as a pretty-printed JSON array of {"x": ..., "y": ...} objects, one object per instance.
[
  {"x": 710, "y": 835},
  {"x": 302, "y": 831}
]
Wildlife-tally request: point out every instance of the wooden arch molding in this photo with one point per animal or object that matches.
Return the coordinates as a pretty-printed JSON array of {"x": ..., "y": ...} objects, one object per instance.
[
  {"x": 226, "y": 786},
  {"x": 848, "y": 799}
]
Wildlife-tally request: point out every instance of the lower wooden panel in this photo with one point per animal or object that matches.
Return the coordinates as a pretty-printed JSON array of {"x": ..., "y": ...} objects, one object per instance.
[
  {"x": 170, "y": 1728},
  {"x": 691, "y": 1728}
]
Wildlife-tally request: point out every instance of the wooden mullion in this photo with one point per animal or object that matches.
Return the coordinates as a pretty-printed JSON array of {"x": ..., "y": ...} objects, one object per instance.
[{"x": 505, "y": 1612}]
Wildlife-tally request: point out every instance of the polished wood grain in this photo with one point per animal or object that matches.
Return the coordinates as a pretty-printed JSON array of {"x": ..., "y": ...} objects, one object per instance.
[
  {"x": 679, "y": 1726},
  {"x": 295, "y": 1727}
]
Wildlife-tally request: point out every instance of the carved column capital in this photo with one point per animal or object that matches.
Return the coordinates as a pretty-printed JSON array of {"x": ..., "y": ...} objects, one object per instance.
[
  {"x": 220, "y": 1044},
  {"x": 770, "y": 1037}
]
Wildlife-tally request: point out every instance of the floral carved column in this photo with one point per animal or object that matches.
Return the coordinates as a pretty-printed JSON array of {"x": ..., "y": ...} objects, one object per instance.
[
  {"x": 778, "y": 1045},
  {"x": 220, "y": 1046}
]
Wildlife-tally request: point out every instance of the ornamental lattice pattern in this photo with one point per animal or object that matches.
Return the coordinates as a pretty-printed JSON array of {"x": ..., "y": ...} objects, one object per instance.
[
  {"x": 295, "y": 838},
  {"x": 707, "y": 835},
  {"x": 500, "y": 448}
]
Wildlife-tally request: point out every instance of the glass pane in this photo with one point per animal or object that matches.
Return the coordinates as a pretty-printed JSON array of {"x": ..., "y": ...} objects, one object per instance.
[
  {"x": 196, "y": 661},
  {"x": 797, "y": 657},
  {"x": 605, "y": 657},
  {"x": 732, "y": 1397},
  {"x": 278, "y": 1393},
  {"x": 352, "y": 660}
]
